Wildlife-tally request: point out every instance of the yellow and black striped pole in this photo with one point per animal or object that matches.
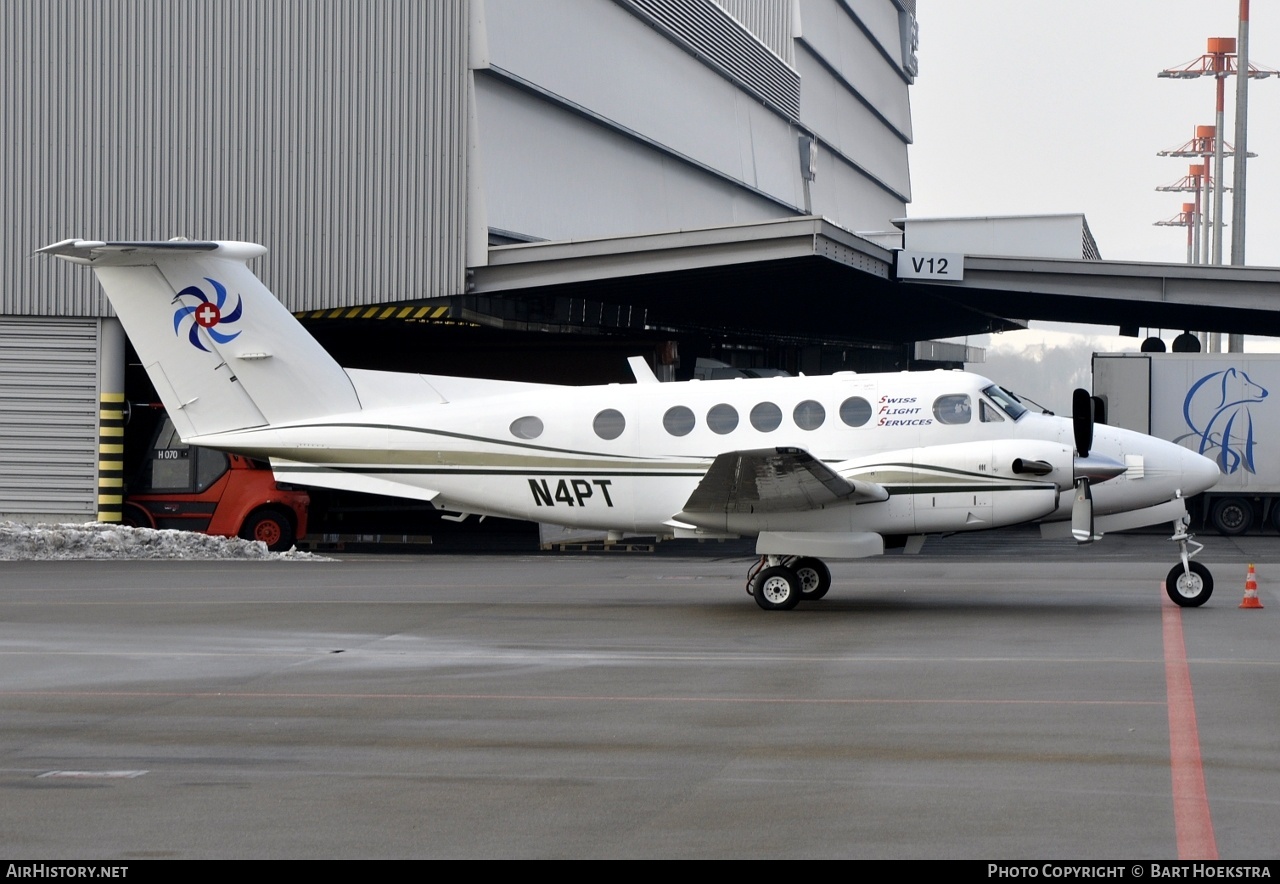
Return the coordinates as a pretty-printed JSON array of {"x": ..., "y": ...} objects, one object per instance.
[{"x": 111, "y": 418}]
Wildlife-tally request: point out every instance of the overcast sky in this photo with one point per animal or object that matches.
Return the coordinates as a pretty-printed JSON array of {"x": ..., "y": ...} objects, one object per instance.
[{"x": 1024, "y": 106}]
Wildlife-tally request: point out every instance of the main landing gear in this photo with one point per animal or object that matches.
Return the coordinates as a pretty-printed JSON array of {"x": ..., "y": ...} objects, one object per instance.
[
  {"x": 1189, "y": 584},
  {"x": 779, "y": 583}
]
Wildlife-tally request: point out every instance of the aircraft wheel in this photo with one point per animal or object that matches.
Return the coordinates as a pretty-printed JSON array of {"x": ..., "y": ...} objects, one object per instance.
[
  {"x": 271, "y": 526},
  {"x": 1231, "y": 516},
  {"x": 815, "y": 578},
  {"x": 777, "y": 589},
  {"x": 1190, "y": 590}
]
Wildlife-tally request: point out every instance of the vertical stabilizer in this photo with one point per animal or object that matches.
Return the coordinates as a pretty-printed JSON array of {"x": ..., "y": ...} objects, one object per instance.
[{"x": 223, "y": 353}]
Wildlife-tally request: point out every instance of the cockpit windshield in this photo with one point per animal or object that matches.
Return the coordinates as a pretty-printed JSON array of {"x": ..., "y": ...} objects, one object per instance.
[{"x": 1007, "y": 401}]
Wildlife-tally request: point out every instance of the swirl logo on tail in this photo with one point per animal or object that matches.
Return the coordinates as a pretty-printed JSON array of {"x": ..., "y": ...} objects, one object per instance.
[{"x": 209, "y": 317}]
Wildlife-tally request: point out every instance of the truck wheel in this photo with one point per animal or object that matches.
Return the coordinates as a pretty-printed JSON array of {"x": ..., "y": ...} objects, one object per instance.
[
  {"x": 135, "y": 516},
  {"x": 1275, "y": 514},
  {"x": 271, "y": 526},
  {"x": 1232, "y": 516}
]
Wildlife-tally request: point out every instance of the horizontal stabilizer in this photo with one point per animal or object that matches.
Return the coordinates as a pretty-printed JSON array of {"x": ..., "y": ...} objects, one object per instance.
[
  {"x": 773, "y": 480},
  {"x": 223, "y": 352}
]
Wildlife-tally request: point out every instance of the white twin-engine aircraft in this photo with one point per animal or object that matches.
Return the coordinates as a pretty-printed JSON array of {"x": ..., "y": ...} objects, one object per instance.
[{"x": 813, "y": 467}]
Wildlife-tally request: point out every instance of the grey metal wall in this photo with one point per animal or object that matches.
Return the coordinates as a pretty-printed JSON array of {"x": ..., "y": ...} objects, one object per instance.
[
  {"x": 334, "y": 132},
  {"x": 48, "y": 418},
  {"x": 600, "y": 118},
  {"x": 337, "y": 133}
]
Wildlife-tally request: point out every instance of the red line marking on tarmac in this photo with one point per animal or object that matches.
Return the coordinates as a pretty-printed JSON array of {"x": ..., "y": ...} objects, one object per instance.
[{"x": 1191, "y": 818}]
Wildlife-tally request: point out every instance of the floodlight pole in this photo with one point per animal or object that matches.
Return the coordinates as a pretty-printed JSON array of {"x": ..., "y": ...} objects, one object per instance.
[
  {"x": 1219, "y": 47},
  {"x": 1235, "y": 343},
  {"x": 1242, "y": 134}
]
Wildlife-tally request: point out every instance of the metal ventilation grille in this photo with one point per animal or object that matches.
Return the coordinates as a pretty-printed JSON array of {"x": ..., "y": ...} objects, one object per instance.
[
  {"x": 714, "y": 35},
  {"x": 1089, "y": 244},
  {"x": 769, "y": 22}
]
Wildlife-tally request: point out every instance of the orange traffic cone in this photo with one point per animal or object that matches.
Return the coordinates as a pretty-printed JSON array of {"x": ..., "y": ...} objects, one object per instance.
[{"x": 1251, "y": 591}]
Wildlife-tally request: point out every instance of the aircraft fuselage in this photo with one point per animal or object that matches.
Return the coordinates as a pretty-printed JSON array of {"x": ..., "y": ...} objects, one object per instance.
[{"x": 628, "y": 457}]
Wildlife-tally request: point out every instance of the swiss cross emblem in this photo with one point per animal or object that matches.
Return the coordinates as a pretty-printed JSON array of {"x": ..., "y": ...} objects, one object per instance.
[
  {"x": 209, "y": 325},
  {"x": 207, "y": 315}
]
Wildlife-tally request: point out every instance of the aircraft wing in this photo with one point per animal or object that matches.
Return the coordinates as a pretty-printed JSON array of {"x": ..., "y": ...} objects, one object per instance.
[{"x": 771, "y": 480}]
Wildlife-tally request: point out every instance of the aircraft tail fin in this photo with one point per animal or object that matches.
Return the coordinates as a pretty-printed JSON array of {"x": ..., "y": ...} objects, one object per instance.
[{"x": 223, "y": 352}]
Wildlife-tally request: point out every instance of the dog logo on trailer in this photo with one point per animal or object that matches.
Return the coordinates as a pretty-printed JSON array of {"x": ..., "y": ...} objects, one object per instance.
[
  {"x": 1217, "y": 409},
  {"x": 209, "y": 321}
]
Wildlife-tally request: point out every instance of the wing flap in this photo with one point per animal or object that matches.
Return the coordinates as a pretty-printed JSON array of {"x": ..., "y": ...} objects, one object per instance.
[{"x": 772, "y": 480}]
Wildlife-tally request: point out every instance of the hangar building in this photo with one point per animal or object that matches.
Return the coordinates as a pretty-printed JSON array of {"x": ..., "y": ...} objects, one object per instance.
[
  {"x": 497, "y": 187},
  {"x": 386, "y": 151}
]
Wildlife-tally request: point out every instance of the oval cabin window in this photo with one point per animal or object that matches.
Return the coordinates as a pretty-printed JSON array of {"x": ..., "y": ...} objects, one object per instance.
[
  {"x": 809, "y": 415},
  {"x": 952, "y": 408},
  {"x": 609, "y": 424},
  {"x": 722, "y": 419},
  {"x": 527, "y": 427},
  {"x": 766, "y": 417},
  {"x": 679, "y": 421},
  {"x": 855, "y": 411}
]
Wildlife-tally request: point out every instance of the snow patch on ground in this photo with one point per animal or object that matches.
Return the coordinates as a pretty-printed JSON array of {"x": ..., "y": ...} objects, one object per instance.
[{"x": 96, "y": 540}]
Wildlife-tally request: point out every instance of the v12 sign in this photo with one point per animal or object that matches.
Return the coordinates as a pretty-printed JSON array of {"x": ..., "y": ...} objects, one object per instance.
[{"x": 938, "y": 266}]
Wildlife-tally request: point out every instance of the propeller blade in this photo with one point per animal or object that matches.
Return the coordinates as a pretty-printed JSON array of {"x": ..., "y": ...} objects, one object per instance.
[
  {"x": 1082, "y": 420},
  {"x": 1082, "y": 513}
]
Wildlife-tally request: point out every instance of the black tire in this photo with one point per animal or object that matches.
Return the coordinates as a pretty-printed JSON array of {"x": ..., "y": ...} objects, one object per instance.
[
  {"x": 815, "y": 578},
  {"x": 1275, "y": 514},
  {"x": 272, "y": 526},
  {"x": 1231, "y": 516},
  {"x": 134, "y": 516},
  {"x": 1189, "y": 590},
  {"x": 776, "y": 589}
]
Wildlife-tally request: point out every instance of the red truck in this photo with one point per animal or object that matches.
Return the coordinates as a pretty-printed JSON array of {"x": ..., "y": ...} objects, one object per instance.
[{"x": 199, "y": 489}]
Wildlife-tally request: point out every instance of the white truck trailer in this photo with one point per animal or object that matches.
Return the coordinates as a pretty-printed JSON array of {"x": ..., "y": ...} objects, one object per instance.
[{"x": 1225, "y": 406}]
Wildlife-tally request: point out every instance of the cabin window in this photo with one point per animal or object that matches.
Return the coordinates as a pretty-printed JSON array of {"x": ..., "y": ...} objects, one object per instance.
[
  {"x": 609, "y": 424},
  {"x": 809, "y": 415},
  {"x": 953, "y": 408},
  {"x": 679, "y": 420},
  {"x": 855, "y": 411},
  {"x": 527, "y": 427},
  {"x": 722, "y": 419},
  {"x": 766, "y": 417}
]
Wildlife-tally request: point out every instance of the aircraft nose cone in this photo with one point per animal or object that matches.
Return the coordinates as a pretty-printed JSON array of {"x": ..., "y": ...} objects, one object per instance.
[{"x": 1198, "y": 473}]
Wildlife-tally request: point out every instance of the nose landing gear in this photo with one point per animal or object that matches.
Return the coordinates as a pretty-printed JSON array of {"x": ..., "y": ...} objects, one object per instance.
[{"x": 1189, "y": 584}]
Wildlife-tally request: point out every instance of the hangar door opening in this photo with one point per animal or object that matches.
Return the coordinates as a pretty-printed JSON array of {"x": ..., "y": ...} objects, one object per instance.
[{"x": 48, "y": 418}]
